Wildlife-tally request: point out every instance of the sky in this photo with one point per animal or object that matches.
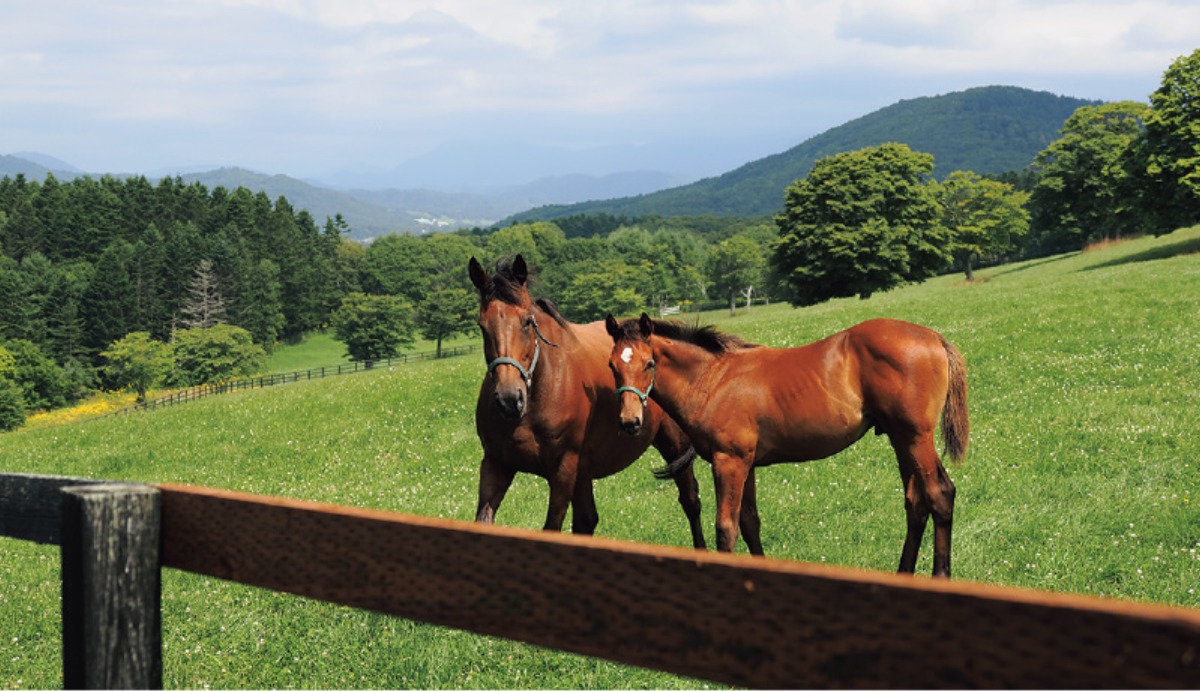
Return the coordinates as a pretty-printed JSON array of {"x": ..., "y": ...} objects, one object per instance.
[{"x": 330, "y": 89}]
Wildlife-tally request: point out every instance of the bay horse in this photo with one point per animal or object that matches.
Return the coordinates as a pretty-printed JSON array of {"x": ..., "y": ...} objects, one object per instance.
[
  {"x": 547, "y": 406},
  {"x": 744, "y": 405}
]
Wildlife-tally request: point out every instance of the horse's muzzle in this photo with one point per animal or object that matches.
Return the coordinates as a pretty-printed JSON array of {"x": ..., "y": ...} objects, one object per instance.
[
  {"x": 510, "y": 404},
  {"x": 631, "y": 426}
]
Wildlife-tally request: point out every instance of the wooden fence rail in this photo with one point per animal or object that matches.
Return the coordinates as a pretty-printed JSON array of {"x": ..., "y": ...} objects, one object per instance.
[
  {"x": 727, "y": 618},
  {"x": 265, "y": 380}
]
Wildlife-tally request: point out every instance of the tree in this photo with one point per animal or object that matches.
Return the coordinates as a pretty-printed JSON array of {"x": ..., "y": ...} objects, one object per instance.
[
  {"x": 860, "y": 222},
  {"x": 1084, "y": 192},
  {"x": 985, "y": 217},
  {"x": 40, "y": 379},
  {"x": 12, "y": 398},
  {"x": 214, "y": 354},
  {"x": 109, "y": 307},
  {"x": 1167, "y": 160},
  {"x": 205, "y": 305},
  {"x": 735, "y": 266},
  {"x": 373, "y": 326},
  {"x": 139, "y": 361},
  {"x": 609, "y": 287},
  {"x": 445, "y": 313},
  {"x": 259, "y": 305}
]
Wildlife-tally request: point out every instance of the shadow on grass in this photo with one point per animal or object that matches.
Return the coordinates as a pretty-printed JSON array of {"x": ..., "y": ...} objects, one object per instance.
[
  {"x": 1174, "y": 249},
  {"x": 1034, "y": 263}
]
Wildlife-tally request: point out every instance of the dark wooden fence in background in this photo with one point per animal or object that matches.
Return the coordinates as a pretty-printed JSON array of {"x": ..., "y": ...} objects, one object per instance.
[
  {"x": 263, "y": 381},
  {"x": 727, "y": 618}
]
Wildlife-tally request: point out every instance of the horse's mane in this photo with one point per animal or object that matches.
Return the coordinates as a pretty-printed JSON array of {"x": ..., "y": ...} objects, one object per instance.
[
  {"x": 708, "y": 337},
  {"x": 507, "y": 288}
]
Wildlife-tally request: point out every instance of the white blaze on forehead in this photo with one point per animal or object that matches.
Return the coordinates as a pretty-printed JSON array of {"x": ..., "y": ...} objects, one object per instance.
[{"x": 627, "y": 355}]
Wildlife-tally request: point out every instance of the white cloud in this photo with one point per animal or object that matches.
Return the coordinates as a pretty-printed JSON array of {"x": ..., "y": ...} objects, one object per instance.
[{"x": 384, "y": 80}]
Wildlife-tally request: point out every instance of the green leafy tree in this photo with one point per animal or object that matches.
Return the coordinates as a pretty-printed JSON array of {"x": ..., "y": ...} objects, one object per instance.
[
  {"x": 609, "y": 287},
  {"x": 40, "y": 379},
  {"x": 12, "y": 398},
  {"x": 736, "y": 266},
  {"x": 138, "y": 361},
  {"x": 445, "y": 313},
  {"x": 215, "y": 354},
  {"x": 985, "y": 217},
  {"x": 373, "y": 326},
  {"x": 394, "y": 266},
  {"x": 1084, "y": 192},
  {"x": 860, "y": 222},
  {"x": 1167, "y": 160}
]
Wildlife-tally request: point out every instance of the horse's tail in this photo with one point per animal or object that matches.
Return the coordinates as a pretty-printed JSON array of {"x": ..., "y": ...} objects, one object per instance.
[
  {"x": 956, "y": 428},
  {"x": 677, "y": 466}
]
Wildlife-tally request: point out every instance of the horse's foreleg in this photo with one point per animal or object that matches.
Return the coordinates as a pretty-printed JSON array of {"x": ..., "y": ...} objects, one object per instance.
[
  {"x": 584, "y": 517},
  {"x": 494, "y": 481},
  {"x": 729, "y": 477},
  {"x": 749, "y": 521},
  {"x": 562, "y": 487}
]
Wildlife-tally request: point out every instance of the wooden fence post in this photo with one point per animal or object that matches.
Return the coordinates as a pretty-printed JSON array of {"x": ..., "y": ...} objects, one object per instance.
[{"x": 111, "y": 587}]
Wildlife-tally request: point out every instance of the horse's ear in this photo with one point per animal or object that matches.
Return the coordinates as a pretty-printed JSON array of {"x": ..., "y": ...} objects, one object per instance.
[
  {"x": 610, "y": 323},
  {"x": 646, "y": 324},
  {"x": 478, "y": 276},
  {"x": 520, "y": 271}
]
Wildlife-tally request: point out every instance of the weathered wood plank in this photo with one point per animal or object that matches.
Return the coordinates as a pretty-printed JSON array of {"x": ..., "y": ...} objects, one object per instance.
[
  {"x": 734, "y": 619},
  {"x": 111, "y": 592},
  {"x": 30, "y": 505}
]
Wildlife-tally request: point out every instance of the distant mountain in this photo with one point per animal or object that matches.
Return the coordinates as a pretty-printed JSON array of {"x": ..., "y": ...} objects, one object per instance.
[
  {"x": 11, "y": 165},
  {"x": 51, "y": 163},
  {"x": 371, "y": 213},
  {"x": 992, "y": 129}
]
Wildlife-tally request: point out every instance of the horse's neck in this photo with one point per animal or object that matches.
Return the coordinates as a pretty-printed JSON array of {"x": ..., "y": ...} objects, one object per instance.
[
  {"x": 556, "y": 344},
  {"x": 681, "y": 375}
]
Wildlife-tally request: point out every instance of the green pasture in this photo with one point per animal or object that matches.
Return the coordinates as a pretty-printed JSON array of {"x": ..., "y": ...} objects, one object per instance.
[{"x": 1083, "y": 476}]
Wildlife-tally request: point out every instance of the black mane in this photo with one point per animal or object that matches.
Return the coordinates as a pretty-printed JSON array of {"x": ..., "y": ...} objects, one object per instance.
[
  {"x": 505, "y": 287},
  {"x": 708, "y": 337}
]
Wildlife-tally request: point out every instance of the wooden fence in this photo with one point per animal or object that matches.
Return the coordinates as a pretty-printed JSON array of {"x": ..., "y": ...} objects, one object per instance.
[
  {"x": 728, "y": 618},
  {"x": 263, "y": 381}
]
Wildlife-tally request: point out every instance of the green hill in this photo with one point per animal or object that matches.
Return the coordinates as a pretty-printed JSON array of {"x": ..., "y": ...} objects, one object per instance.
[{"x": 991, "y": 129}]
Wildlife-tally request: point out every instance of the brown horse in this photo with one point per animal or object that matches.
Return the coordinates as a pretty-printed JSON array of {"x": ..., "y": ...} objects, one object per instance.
[
  {"x": 745, "y": 405},
  {"x": 548, "y": 406}
]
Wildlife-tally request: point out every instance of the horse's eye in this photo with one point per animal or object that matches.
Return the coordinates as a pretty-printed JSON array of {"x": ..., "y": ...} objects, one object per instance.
[{"x": 650, "y": 364}]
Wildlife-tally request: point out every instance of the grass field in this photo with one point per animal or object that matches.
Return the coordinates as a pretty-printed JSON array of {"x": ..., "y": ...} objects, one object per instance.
[{"x": 1083, "y": 476}]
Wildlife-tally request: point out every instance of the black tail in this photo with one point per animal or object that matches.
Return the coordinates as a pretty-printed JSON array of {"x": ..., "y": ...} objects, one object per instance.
[{"x": 677, "y": 466}]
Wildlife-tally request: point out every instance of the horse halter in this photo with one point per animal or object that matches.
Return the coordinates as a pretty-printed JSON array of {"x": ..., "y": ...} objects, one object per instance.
[
  {"x": 645, "y": 396},
  {"x": 526, "y": 374}
]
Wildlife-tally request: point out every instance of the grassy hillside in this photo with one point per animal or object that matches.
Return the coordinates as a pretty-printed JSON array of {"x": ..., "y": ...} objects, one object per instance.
[
  {"x": 992, "y": 129},
  {"x": 1082, "y": 477}
]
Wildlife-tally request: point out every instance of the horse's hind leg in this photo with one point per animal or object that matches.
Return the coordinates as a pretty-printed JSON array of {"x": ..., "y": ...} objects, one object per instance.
[
  {"x": 689, "y": 499},
  {"x": 677, "y": 450},
  {"x": 928, "y": 490},
  {"x": 748, "y": 520}
]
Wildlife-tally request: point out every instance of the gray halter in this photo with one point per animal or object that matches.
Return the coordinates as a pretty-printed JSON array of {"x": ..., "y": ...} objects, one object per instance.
[{"x": 638, "y": 392}]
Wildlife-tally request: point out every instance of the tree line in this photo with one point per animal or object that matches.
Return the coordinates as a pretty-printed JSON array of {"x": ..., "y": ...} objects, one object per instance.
[{"x": 110, "y": 282}]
